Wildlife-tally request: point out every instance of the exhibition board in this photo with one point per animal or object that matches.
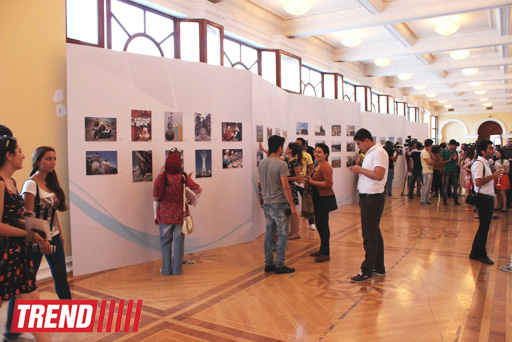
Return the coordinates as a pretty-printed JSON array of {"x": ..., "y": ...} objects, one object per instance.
[{"x": 134, "y": 104}]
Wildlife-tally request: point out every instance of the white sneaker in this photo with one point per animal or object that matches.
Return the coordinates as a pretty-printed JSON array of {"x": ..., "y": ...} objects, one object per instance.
[
  {"x": 312, "y": 227},
  {"x": 506, "y": 268}
]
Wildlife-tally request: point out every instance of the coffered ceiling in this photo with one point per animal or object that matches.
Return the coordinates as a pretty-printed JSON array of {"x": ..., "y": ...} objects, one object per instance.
[{"x": 403, "y": 30}]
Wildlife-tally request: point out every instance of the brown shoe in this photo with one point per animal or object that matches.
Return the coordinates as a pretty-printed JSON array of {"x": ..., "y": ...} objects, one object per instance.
[
  {"x": 322, "y": 258},
  {"x": 316, "y": 254}
]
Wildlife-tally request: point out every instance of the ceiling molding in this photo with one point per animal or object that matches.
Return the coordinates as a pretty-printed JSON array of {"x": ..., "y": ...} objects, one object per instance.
[{"x": 343, "y": 20}]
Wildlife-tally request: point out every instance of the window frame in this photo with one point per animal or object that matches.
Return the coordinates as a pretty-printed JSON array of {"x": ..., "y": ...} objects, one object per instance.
[{"x": 101, "y": 27}]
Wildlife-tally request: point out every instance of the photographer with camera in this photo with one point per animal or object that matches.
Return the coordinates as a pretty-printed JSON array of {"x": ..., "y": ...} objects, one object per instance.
[
  {"x": 393, "y": 152},
  {"x": 450, "y": 158},
  {"x": 415, "y": 168}
]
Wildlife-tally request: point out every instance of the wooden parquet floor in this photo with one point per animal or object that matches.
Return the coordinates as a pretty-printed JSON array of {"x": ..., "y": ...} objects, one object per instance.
[{"x": 432, "y": 291}]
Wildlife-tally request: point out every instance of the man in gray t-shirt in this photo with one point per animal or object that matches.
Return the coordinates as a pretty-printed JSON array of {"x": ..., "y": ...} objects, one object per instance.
[{"x": 277, "y": 201}]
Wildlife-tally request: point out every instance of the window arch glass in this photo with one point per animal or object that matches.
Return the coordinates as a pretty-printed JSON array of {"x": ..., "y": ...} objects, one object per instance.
[
  {"x": 240, "y": 56},
  {"x": 311, "y": 82}
]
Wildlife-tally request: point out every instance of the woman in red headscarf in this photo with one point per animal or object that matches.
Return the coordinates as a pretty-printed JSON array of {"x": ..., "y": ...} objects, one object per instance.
[{"x": 168, "y": 196}]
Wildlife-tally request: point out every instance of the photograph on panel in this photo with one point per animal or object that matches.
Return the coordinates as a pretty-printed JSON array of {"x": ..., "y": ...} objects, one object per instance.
[
  {"x": 101, "y": 162},
  {"x": 259, "y": 133},
  {"x": 336, "y": 130},
  {"x": 278, "y": 131},
  {"x": 173, "y": 126},
  {"x": 202, "y": 127},
  {"x": 259, "y": 157},
  {"x": 319, "y": 142},
  {"x": 351, "y": 161},
  {"x": 399, "y": 140},
  {"x": 141, "y": 125},
  {"x": 231, "y": 131},
  {"x": 351, "y": 146},
  {"x": 269, "y": 132},
  {"x": 232, "y": 159},
  {"x": 382, "y": 141},
  {"x": 392, "y": 139},
  {"x": 100, "y": 129},
  {"x": 351, "y": 130},
  {"x": 336, "y": 162},
  {"x": 142, "y": 166},
  {"x": 319, "y": 130},
  {"x": 285, "y": 135},
  {"x": 203, "y": 163},
  {"x": 336, "y": 146},
  {"x": 302, "y": 128},
  {"x": 182, "y": 160}
]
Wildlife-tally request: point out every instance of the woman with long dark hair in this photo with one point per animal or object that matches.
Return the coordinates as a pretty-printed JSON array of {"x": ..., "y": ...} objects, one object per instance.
[
  {"x": 17, "y": 275},
  {"x": 168, "y": 199},
  {"x": 294, "y": 154},
  {"x": 43, "y": 197},
  {"x": 324, "y": 200},
  {"x": 502, "y": 183}
]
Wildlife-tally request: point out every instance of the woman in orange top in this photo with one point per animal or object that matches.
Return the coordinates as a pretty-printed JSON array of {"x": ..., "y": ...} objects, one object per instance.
[{"x": 324, "y": 200}]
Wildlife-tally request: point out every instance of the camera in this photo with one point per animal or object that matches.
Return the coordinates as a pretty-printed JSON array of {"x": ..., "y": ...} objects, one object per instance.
[
  {"x": 391, "y": 148},
  {"x": 410, "y": 141}
]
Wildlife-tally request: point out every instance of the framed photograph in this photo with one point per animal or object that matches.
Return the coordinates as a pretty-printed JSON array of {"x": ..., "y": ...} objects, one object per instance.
[
  {"x": 182, "y": 159},
  {"x": 100, "y": 129},
  {"x": 302, "y": 128},
  {"x": 351, "y": 146},
  {"x": 231, "y": 131},
  {"x": 319, "y": 130},
  {"x": 336, "y": 146},
  {"x": 203, "y": 163},
  {"x": 141, "y": 125},
  {"x": 351, "y": 161},
  {"x": 336, "y": 162},
  {"x": 259, "y": 133},
  {"x": 399, "y": 140},
  {"x": 285, "y": 134},
  {"x": 392, "y": 139},
  {"x": 269, "y": 132},
  {"x": 259, "y": 157},
  {"x": 336, "y": 130},
  {"x": 101, "y": 163},
  {"x": 173, "y": 126},
  {"x": 232, "y": 159},
  {"x": 278, "y": 131},
  {"x": 382, "y": 141},
  {"x": 351, "y": 130},
  {"x": 142, "y": 166},
  {"x": 202, "y": 127}
]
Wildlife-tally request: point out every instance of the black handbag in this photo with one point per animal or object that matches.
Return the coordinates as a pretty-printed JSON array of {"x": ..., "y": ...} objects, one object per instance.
[{"x": 471, "y": 199}]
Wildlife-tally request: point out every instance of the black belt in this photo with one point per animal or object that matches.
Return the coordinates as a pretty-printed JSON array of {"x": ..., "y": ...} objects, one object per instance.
[
  {"x": 371, "y": 195},
  {"x": 485, "y": 196}
]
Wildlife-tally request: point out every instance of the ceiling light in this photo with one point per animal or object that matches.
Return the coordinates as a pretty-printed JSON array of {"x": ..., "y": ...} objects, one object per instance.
[
  {"x": 297, "y": 7},
  {"x": 459, "y": 54},
  {"x": 382, "y": 62},
  {"x": 446, "y": 25},
  {"x": 404, "y": 77},
  {"x": 470, "y": 71},
  {"x": 487, "y": 104},
  {"x": 448, "y": 106},
  {"x": 442, "y": 101},
  {"x": 480, "y": 92},
  {"x": 431, "y": 95},
  {"x": 476, "y": 84},
  {"x": 351, "y": 38},
  {"x": 419, "y": 87},
  {"x": 484, "y": 99}
]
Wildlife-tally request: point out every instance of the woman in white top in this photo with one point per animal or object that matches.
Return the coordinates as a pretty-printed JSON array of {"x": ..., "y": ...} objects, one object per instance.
[{"x": 43, "y": 198}]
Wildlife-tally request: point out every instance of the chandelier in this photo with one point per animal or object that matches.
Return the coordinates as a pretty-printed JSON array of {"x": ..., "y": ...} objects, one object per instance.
[
  {"x": 484, "y": 99},
  {"x": 459, "y": 54},
  {"x": 297, "y": 7},
  {"x": 470, "y": 71},
  {"x": 431, "y": 95},
  {"x": 404, "y": 77},
  {"x": 487, "y": 104},
  {"x": 448, "y": 106},
  {"x": 382, "y": 62},
  {"x": 480, "y": 92},
  {"x": 442, "y": 101},
  {"x": 476, "y": 84},
  {"x": 419, "y": 87},
  {"x": 351, "y": 38},
  {"x": 446, "y": 25}
]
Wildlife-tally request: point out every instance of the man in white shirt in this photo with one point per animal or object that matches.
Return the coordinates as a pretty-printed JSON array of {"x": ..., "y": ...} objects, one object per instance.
[
  {"x": 427, "y": 164},
  {"x": 484, "y": 188},
  {"x": 372, "y": 180}
]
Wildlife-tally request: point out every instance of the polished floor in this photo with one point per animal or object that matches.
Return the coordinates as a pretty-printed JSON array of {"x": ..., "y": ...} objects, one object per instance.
[{"x": 432, "y": 291}]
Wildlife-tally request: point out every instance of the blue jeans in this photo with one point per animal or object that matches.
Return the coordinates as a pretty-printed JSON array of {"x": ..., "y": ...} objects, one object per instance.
[
  {"x": 450, "y": 179},
  {"x": 172, "y": 242},
  {"x": 276, "y": 220},
  {"x": 57, "y": 263},
  {"x": 389, "y": 183}
]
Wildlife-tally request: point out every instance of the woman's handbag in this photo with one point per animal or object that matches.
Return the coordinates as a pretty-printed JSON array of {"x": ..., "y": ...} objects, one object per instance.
[
  {"x": 308, "y": 210},
  {"x": 188, "y": 224}
]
